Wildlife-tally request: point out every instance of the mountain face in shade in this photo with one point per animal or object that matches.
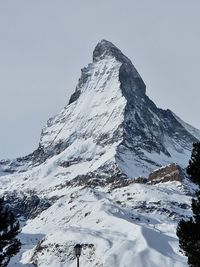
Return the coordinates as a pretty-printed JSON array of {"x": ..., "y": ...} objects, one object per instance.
[{"x": 79, "y": 186}]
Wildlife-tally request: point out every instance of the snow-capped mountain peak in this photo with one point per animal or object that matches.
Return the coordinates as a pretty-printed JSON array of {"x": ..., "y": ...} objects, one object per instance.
[
  {"x": 110, "y": 121},
  {"x": 107, "y": 49}
]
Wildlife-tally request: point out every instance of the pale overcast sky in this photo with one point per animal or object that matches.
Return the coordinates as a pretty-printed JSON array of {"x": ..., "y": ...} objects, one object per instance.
[{"x": 45, "y": 43}]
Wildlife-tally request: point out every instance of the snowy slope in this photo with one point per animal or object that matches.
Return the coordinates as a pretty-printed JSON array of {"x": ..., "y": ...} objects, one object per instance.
[
  {"x": 98, "y": 111},
  {"x": 135, "y": 224}
]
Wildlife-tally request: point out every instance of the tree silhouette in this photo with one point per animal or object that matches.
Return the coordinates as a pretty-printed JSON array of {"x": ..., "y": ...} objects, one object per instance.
[
  {"x": 188, "y": 232},
  {"x": 193, "y": 169},
  {"x": 9, "y": 229}
]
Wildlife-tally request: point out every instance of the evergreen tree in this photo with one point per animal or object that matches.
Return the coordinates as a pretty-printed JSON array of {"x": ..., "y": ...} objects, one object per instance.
[
  {"x": 9, "y": 229},
  {"x": 189, "y": 239},
  {"x": 193, "y": 169},
  {"x": 188, "y": 232}
]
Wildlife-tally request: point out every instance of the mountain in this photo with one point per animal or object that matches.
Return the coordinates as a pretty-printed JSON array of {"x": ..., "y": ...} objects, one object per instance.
[
  {"x": 111, "y": 123},
  {"x": 81, "y": 184}
]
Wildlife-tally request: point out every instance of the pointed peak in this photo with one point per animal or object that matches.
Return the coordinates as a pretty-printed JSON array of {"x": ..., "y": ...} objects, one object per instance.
[
  {"x": 104, "y": 42},
  {"x": 105, "y": 48}
]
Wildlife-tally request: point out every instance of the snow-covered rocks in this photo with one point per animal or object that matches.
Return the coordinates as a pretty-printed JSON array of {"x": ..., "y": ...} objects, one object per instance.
[{"x": 116, "y": 228}]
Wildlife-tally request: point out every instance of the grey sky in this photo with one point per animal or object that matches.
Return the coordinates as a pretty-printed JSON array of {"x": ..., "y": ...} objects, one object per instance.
[{"x": 44, "y": 43}]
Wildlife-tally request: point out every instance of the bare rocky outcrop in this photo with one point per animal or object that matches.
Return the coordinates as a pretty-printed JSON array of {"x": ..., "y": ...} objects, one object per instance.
[{"x": 172, "y": 172}]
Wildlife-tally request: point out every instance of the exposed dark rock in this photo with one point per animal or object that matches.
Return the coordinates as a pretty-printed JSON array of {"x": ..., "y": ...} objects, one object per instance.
[
  {"x": 163, "y": 208},
  {"x": 27, "y": 204},
  {"x": 74, "y": 96},
  {"x": 172, "y": 172}
]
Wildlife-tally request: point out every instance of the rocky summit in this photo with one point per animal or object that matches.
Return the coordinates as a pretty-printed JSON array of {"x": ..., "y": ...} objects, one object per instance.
[{"x": 93, "y": 178}]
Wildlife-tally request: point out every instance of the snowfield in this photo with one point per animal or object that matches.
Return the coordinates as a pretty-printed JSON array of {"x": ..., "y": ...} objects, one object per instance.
[{"x": 126, "y": 226}]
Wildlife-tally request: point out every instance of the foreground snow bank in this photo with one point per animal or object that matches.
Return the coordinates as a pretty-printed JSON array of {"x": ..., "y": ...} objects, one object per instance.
[{"x": 131, "y": 226}]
